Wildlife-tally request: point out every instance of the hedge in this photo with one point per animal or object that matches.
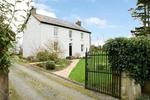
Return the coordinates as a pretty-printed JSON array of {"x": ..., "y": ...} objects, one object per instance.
[{"x": 131, "y": 55}]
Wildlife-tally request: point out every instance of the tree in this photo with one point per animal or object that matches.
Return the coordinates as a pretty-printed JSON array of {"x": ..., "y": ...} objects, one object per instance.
[
  {"x": 55, "y": 48},
  {"x": 94, "y": 48},
  {"x": 142, "y": 12},
  {"x": 11, "y": 22}
]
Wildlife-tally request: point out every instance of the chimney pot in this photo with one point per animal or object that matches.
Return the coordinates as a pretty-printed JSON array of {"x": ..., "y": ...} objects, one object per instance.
[
  {"x": 33, "y": 11},
  {"x": 78, "y": 23}
]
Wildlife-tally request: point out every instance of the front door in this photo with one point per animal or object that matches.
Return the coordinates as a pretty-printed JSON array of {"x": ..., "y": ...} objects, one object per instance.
[{"x": 70, "y": 49}]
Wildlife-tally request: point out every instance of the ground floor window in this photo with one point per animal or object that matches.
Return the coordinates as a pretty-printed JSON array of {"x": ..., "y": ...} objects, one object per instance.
[{"x": 82, "y": 47}]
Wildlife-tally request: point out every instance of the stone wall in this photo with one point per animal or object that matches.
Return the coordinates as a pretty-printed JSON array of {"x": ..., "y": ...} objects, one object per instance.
[{"x": 129, "y": 90}]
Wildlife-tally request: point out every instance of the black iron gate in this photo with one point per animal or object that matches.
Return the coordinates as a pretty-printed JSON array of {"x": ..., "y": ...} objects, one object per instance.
[{"x": 100, "y": 77}]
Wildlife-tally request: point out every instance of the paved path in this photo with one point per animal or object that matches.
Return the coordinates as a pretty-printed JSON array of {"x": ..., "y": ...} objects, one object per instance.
[
  {"x": 65, "y": 72},
  {"x": 33, "y": 83}
]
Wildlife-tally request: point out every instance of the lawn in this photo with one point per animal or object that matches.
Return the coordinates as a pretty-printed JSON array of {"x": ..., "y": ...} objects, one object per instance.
[
  {"x": 95, "y": 79},
  {"x": 78, "y": 73}
]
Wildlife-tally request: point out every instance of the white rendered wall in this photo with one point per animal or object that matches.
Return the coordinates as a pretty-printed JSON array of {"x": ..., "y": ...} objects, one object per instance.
[{"x": 37, "y": 35}]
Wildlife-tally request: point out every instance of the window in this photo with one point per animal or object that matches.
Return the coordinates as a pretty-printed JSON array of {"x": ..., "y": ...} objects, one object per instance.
[
  {"x": 81, "y": 35},
  {"x": 70, "y": 34},
  {"x": 82, "y": 47},
  {"x": 55, "y": 31}
]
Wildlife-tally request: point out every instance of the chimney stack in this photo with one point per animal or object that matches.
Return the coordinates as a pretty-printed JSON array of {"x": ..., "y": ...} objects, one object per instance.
[
  {"x": 33, "y": 11},
  {"x": 78, "y": 23}
]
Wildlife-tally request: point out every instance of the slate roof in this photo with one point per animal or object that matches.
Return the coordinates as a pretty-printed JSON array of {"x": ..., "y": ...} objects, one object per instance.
[{"x": 58, "y": 22}]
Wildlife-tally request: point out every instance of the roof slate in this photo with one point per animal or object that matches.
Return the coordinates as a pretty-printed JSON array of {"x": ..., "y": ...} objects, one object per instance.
[{"x": 58, "y": 22}]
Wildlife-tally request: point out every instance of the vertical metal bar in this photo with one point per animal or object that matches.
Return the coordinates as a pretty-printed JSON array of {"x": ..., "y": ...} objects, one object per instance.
[
  {"x": 92, "y": 70},
  {"x": 96, "y": 73},
  {"x": 99, "y": 71},
  {"x": 86, "y": 69},
  {"x": 103, "y": 74}
]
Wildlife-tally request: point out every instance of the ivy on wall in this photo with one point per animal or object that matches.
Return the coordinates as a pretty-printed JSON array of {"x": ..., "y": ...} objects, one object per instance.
[{"x": 131, "y": 55}]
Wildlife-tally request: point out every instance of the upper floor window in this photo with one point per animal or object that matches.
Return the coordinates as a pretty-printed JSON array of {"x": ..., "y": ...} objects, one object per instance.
[
  {"x": 81, "y": 35},
  {"x": 55, "y": 31},
  {"x": 70, "y": 34}
]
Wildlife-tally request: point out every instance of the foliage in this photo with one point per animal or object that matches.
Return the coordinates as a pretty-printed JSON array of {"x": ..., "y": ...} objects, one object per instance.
[
  {"x": 53, "y": 56},
  {"x": 45, "y": 55},
  {"x": 54, "y": 48},
  {"x": 94, "y": 48},
  {"x": 143, "y": 97},
  {"x": 9, "y": 17},
  {"x": 50, "y": 65},
  {"x": 6, "y": 38},
  {"x": 31, "y": 58},
  {"x": 130, "y": 55},
  {"x": 42, "y": 55},
  {"x": 142, "y": 12}
]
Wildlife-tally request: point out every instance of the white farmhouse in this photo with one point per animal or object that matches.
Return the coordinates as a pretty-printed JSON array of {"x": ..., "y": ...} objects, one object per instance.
[{"x": 73, "y": 38}]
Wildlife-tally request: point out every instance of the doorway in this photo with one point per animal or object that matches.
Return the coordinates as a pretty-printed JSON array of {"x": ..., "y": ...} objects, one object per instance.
[{"x": 70, "y": 49}]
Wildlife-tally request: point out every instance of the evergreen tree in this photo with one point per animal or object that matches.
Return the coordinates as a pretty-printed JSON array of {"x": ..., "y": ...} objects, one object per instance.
[{"x": 142, "y": 12}]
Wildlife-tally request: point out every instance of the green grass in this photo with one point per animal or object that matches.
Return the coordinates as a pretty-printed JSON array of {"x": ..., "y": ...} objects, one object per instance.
[{"x": 78, "y": 73}]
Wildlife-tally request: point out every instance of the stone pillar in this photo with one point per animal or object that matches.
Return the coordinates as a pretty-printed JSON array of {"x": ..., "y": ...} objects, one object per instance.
[
  {"x": 129, "y": 90},
  {"x": 146, "y": 88}
]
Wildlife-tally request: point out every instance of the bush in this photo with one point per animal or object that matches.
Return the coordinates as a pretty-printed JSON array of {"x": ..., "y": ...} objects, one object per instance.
[
  {"x": 42, "y": 65},
  {"x": 53, "y": 56},
  {"x": 46, "y": 55},
  {"x": 42, "y": 56},
  {"x": 50, "y": 65},
  {"x": 70, "y": 57},
  {"x": 130, "y": 55},
  {"x": 31, "y": 58}
]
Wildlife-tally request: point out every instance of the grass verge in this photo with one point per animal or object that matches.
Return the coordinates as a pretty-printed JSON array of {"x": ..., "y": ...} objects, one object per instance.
[{"x": 78, "y": 73}]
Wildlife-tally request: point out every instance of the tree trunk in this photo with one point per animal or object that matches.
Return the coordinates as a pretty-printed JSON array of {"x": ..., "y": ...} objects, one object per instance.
[{"x": 4, "y": 92}]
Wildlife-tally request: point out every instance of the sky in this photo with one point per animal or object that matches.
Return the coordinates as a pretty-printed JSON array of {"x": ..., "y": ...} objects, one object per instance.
[{"x": 104, "y": 18}]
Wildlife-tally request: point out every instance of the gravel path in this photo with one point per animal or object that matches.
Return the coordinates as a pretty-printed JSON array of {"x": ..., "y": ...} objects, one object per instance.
[
  {"x": 32, "y": 85},
  {"x": 65, "y": 72}
]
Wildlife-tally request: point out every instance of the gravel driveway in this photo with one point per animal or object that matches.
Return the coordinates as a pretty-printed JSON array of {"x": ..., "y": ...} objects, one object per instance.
[{"x": 32, "y": 83}]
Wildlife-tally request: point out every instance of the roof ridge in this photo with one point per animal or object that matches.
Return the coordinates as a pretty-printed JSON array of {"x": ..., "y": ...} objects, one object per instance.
[{"x": 59, "y": 22}]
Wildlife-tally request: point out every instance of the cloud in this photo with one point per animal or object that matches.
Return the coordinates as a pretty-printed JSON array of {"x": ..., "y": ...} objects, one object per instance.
[
  {"x": 46, "y": 13},
  {"x": 97, "y": 22},
  {"x": 45, "y": 10},
  {"x": 100, "y": 23}
]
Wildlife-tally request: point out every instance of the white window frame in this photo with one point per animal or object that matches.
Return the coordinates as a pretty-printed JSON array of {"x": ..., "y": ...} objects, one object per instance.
[
  {"x": 55, "y": 31},
  {"x": 82, "y": 35},
  {"x": 70, "y": 34},
  {"x": 82, "y": 47}
]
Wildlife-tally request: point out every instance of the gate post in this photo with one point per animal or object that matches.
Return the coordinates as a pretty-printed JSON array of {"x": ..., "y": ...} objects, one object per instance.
[
  {"x": 129, "y": 90},
  {"x": 86, "y": 69}
]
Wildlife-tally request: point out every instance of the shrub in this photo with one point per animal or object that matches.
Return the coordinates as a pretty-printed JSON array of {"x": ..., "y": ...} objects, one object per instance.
[
  {"x": 53, "y": 56},
  {"x": 70, "y": 57},
  {"x": 42, "y": 56},
  {"x": 50, "y": 65},
  {"x": 42, "y": 65},
  {"x": 130, "y": 55},
  {"x": 31, "y": 58},
  {"x": 46, "y": 55}
]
